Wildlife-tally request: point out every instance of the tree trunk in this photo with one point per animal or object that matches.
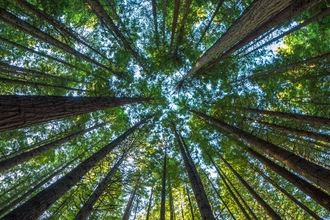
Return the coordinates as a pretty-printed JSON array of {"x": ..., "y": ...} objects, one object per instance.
[
  {"x": 149, "y": 204},
  {"x": 154, "y": 13},
  {"x": 293, "y": 199},
  {"x": 129, "y": 206},
  {"x": 316, "y": 136},
  {"x": 172, "y": 212},
  {"x": 175, "y": 19},
  {"x": 163, "y": 195},
  {"x": 34, "y": 207},
  {"x": 190, "y": 204},
  {"x": 255, "y": 195},
  {"x": 88, "y": 206},
  {"x": 23, "y": 111},
  {"x": 297, "y": 117},
  {"x": 13, "y": 161},
  {"x": 315, "y": 193},
  {"x": 316, "y": 174},
  {"x": 198, "y": 189},
  {"x": 255, "y": 16}
]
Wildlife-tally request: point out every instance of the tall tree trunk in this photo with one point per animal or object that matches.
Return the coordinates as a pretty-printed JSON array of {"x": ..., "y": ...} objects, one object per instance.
[
  {"x": 255, "y": 17},
  {"x": 164, "y": 21},
  {"x": 297, "y": 117},
  {"x": 34, "y": 207},
  {"x": 314, "y": 135},
  {"x": 163, "y": 194},
  {"x": 315, "y": 193},
  {"x": 315, "y": 173},
  {"x": 22, "y": 111},
  {"x": 88, "y": 206},
  {"x": 190, "y": 204},
  {"x": 198, "y": 189},
  {"x": 293, "y": 199},
  {"x": 175, "y": 19},
  {"x": 149, "y": 203},
  {"x": 172, "y": 212},
  {"x": 13, "y": 161},
  {"x": 129, "y": 206},
  {"x": 255, "y": 195},
  {"x": 154, "y": 13}
]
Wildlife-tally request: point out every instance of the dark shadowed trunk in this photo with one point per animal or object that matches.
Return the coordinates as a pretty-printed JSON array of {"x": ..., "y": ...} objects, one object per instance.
[
  {"x": 163, "y": 194},
  {"x": 149, "y": 203},
  {"x": 175, "y": 19},
  {"x": 129, "y": 206}
]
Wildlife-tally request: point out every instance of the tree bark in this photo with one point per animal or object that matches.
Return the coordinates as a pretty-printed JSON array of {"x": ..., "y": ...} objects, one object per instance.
[
  {"x": 154, "y": 13},
  {"x": 175, "y": 19},
  {"x": 293, "y": 199},
  {"x": 129, "y": 206},
  {"x": 13, "y": 161},
  {"x": 254, "y": 17},
  {"x": 163, "y": 194},
  {"x": 88, "y": 206},
  {"x": 198, "y": 189},
  {"x": 255, "y": 195},
  {"x": 315, "y": 193},
  {"x": 314, "y": 173},
  {"x": 297, "y": 117},
  {"x": 149, "y": 203},
  {"x": 22, "y": 111},
  {"x": 34, "y": 207},
  {"x": 190, "y": 204},
  {"x": 172, "y": 212}
]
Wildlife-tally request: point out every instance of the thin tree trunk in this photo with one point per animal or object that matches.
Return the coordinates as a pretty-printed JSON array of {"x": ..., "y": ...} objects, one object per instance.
[
  {"x": 315, "y": 173},
  {"x": 163, "y": 194},
  {"x": 175, "y": 19},
  {"x": 190, "y": 204},
  {"x": 255, "y": 195},
  {"x": 34, "y": 207},
  {"x": 149, "y": 203},
  {"x": 22, "y": 111},
  {"x": 164, "y": 21},
  {"x": 315, "y": 193},
  {"x": 198, "y": 189},
  {"x": 297, "y": 117},
  {"x": 129, "y": 206},
  {"x": 172, "y": 213},
  {"x": 14, "y": 161},
  {"x": 154, "y": 13},
  {"x": 88, "y": 206},
  {"x": 257, "y": 16},
  {"x": 316, "y": 136},
  {"x": 293, "y": 199}
]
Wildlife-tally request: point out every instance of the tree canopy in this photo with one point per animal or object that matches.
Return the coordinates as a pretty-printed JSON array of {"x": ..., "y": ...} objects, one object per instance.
[{"x": 165, "y": 109}]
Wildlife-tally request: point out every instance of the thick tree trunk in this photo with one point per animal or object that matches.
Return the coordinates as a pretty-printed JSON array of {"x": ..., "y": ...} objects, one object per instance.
[
  {"x": 248, "y": 27},
  {"x": 316, "y": 136},
  {"x": 255, "y": 195},
  {"x": 13, "y": 161},
  {"x": 198, "y": 189},
  {"x": 149, "y": 203},
  {"x": 315, "y": 193},
  {"x": 297, "y": 117},
  {"x": 88, "y": 206},
  {"x": 34, "y": 207},
  {"x": 129, "y": 206},
  {"x": 315, "y": 173},
  {"x": 163, "y": 194},
  {"x": 175, "y": 19},
  {"x": 22, "y": 111},
  {"x": 293, "y": 199}
]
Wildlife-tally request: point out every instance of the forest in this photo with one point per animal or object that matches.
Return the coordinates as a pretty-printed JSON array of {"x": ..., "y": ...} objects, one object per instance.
[{"x": 164, "y": 109}]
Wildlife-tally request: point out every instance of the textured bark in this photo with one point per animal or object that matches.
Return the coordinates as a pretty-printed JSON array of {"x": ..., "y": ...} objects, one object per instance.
[
  {"x": 27, "y": 28},
  {"x": 34, "y": 207},
  {"x": 129, "y": 206},
  {"x": 316, "y": 136},
  {"x": 88, "y": 206},
  {"x": 315, "y": 193},
  {"x": 198, "y": 189},
  {"x": 322, "y": 14},
  {"x": 13, "y": 161},
  {"x": 255, "y": 195},
  {"x": 297, "y": 117},
  {"x": 149, "y": 204},
  {"x": 163, "y": 194},
  {"x": 293, "y": 199},
  {"x": 175, "y": 19},
  {"x": 22, "y": 111},
  {"x": 255, "y": 16},
  {"x": 314, "y": 173}
]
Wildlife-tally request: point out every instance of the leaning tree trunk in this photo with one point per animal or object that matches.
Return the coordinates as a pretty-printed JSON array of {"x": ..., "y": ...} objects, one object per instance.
[
  {"x": 34, "y": 207},
  {"x": 13, "y": 161},
  {"x": 129, "y": 206},
  {"x": 163, "y": 195},
  {"x": 88, "y": 206},
  {"x": 190, "y": 204},
  {"x": 22, "y": 111},
  {"x": 255, "y": 195},
  {"x": 198, "y": 189},
  {"x": 175, "y": 19},
  {"x": 297, "y": 117},
  {"x": 293, "y": 199},
  {"x": 315, "y": 173},
  {"x": 315, "y": 193},
  {"x": 149, "y": 203}
]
